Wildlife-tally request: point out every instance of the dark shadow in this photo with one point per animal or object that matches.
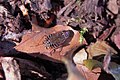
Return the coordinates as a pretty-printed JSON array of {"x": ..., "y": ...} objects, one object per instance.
[
  {"x": 105, "y": 76},
  {"x": 89, "y": 37},
  {"x": 55, "y": 69},
  {"x": 5, "y": 46}
]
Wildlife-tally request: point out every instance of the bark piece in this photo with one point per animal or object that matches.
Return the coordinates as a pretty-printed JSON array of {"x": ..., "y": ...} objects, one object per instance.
[
  {"x": 11, "y": 68},
  {"x": 29, "y": 68}
]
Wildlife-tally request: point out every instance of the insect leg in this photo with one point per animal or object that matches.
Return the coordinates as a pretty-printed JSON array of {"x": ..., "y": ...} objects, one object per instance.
[
  {"x": 60, "y": 49},
  {"x": 53, "y": 51}
]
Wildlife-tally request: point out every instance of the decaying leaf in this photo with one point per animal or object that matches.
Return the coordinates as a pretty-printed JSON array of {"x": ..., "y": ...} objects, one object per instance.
[
  {"x": 50, "y": 42},
  {"x": 33, "y": 42},
  {"x": 99, "y": 48},
  {"x": 111, "y": 68},
  {"x": 91, "y": 64},
  {"x": 80, "y": 56},
  {"x": 112, "y": 6},
  {"x": 89, "y": 75}
]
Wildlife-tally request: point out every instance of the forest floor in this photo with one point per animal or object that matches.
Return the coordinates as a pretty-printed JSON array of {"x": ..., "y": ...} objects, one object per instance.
[{"x": 60, "y": 39}]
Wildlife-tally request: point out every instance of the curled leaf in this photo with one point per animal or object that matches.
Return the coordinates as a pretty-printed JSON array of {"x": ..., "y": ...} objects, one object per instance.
[
  {"x": 99, "y": 48},
  {"x": 80, "y": 56}
]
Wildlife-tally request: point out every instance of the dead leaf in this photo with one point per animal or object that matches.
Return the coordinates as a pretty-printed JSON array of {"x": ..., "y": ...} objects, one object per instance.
[
  {"x": 30, "y": 40},
  {"x": 80, "y": 56},
  {"x": 89, "y": 75},
  {"x": 117, "y": 40},
  {"x": 112, "y": 6},
  {"x": 99, "y": 48},
  {"x": 91, "y": 64}
]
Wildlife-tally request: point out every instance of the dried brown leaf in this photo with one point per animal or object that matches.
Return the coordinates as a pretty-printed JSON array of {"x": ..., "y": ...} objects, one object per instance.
[
  {"x": 99, "y": 48},
  {"x": 33, "y": 42},
  {"x": 89, "y": 75},
  {"x": 112, "y": 6}
]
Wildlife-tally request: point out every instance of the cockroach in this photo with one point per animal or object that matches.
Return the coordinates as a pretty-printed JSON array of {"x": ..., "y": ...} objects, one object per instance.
[{"x": 56, "y": 40}]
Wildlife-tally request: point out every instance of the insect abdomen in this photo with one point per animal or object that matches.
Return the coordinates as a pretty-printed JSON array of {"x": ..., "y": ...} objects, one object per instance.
[{"x": 56, "y": 40}]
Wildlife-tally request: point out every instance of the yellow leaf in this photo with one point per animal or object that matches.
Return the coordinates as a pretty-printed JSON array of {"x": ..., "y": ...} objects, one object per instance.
[{"x": 91, "y": 64}]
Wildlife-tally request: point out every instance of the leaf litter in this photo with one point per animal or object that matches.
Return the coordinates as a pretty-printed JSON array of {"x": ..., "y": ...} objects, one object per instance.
[{"x": 28, "y": 37}]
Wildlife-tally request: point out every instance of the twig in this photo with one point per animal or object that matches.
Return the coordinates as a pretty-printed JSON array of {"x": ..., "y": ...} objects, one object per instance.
[{"x": 64, "y": 8}]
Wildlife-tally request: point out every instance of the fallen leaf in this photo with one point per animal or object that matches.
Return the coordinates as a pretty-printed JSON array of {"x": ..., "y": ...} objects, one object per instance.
[
  {"x": 89, "y": 75},
  {"x": 99, "y": 48},
  {"x": 91, "y": 64},
  {"x": 80, "y": 56},
  {"x": 112, "y": 6},
  {"x": 33, "y": 42}
]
